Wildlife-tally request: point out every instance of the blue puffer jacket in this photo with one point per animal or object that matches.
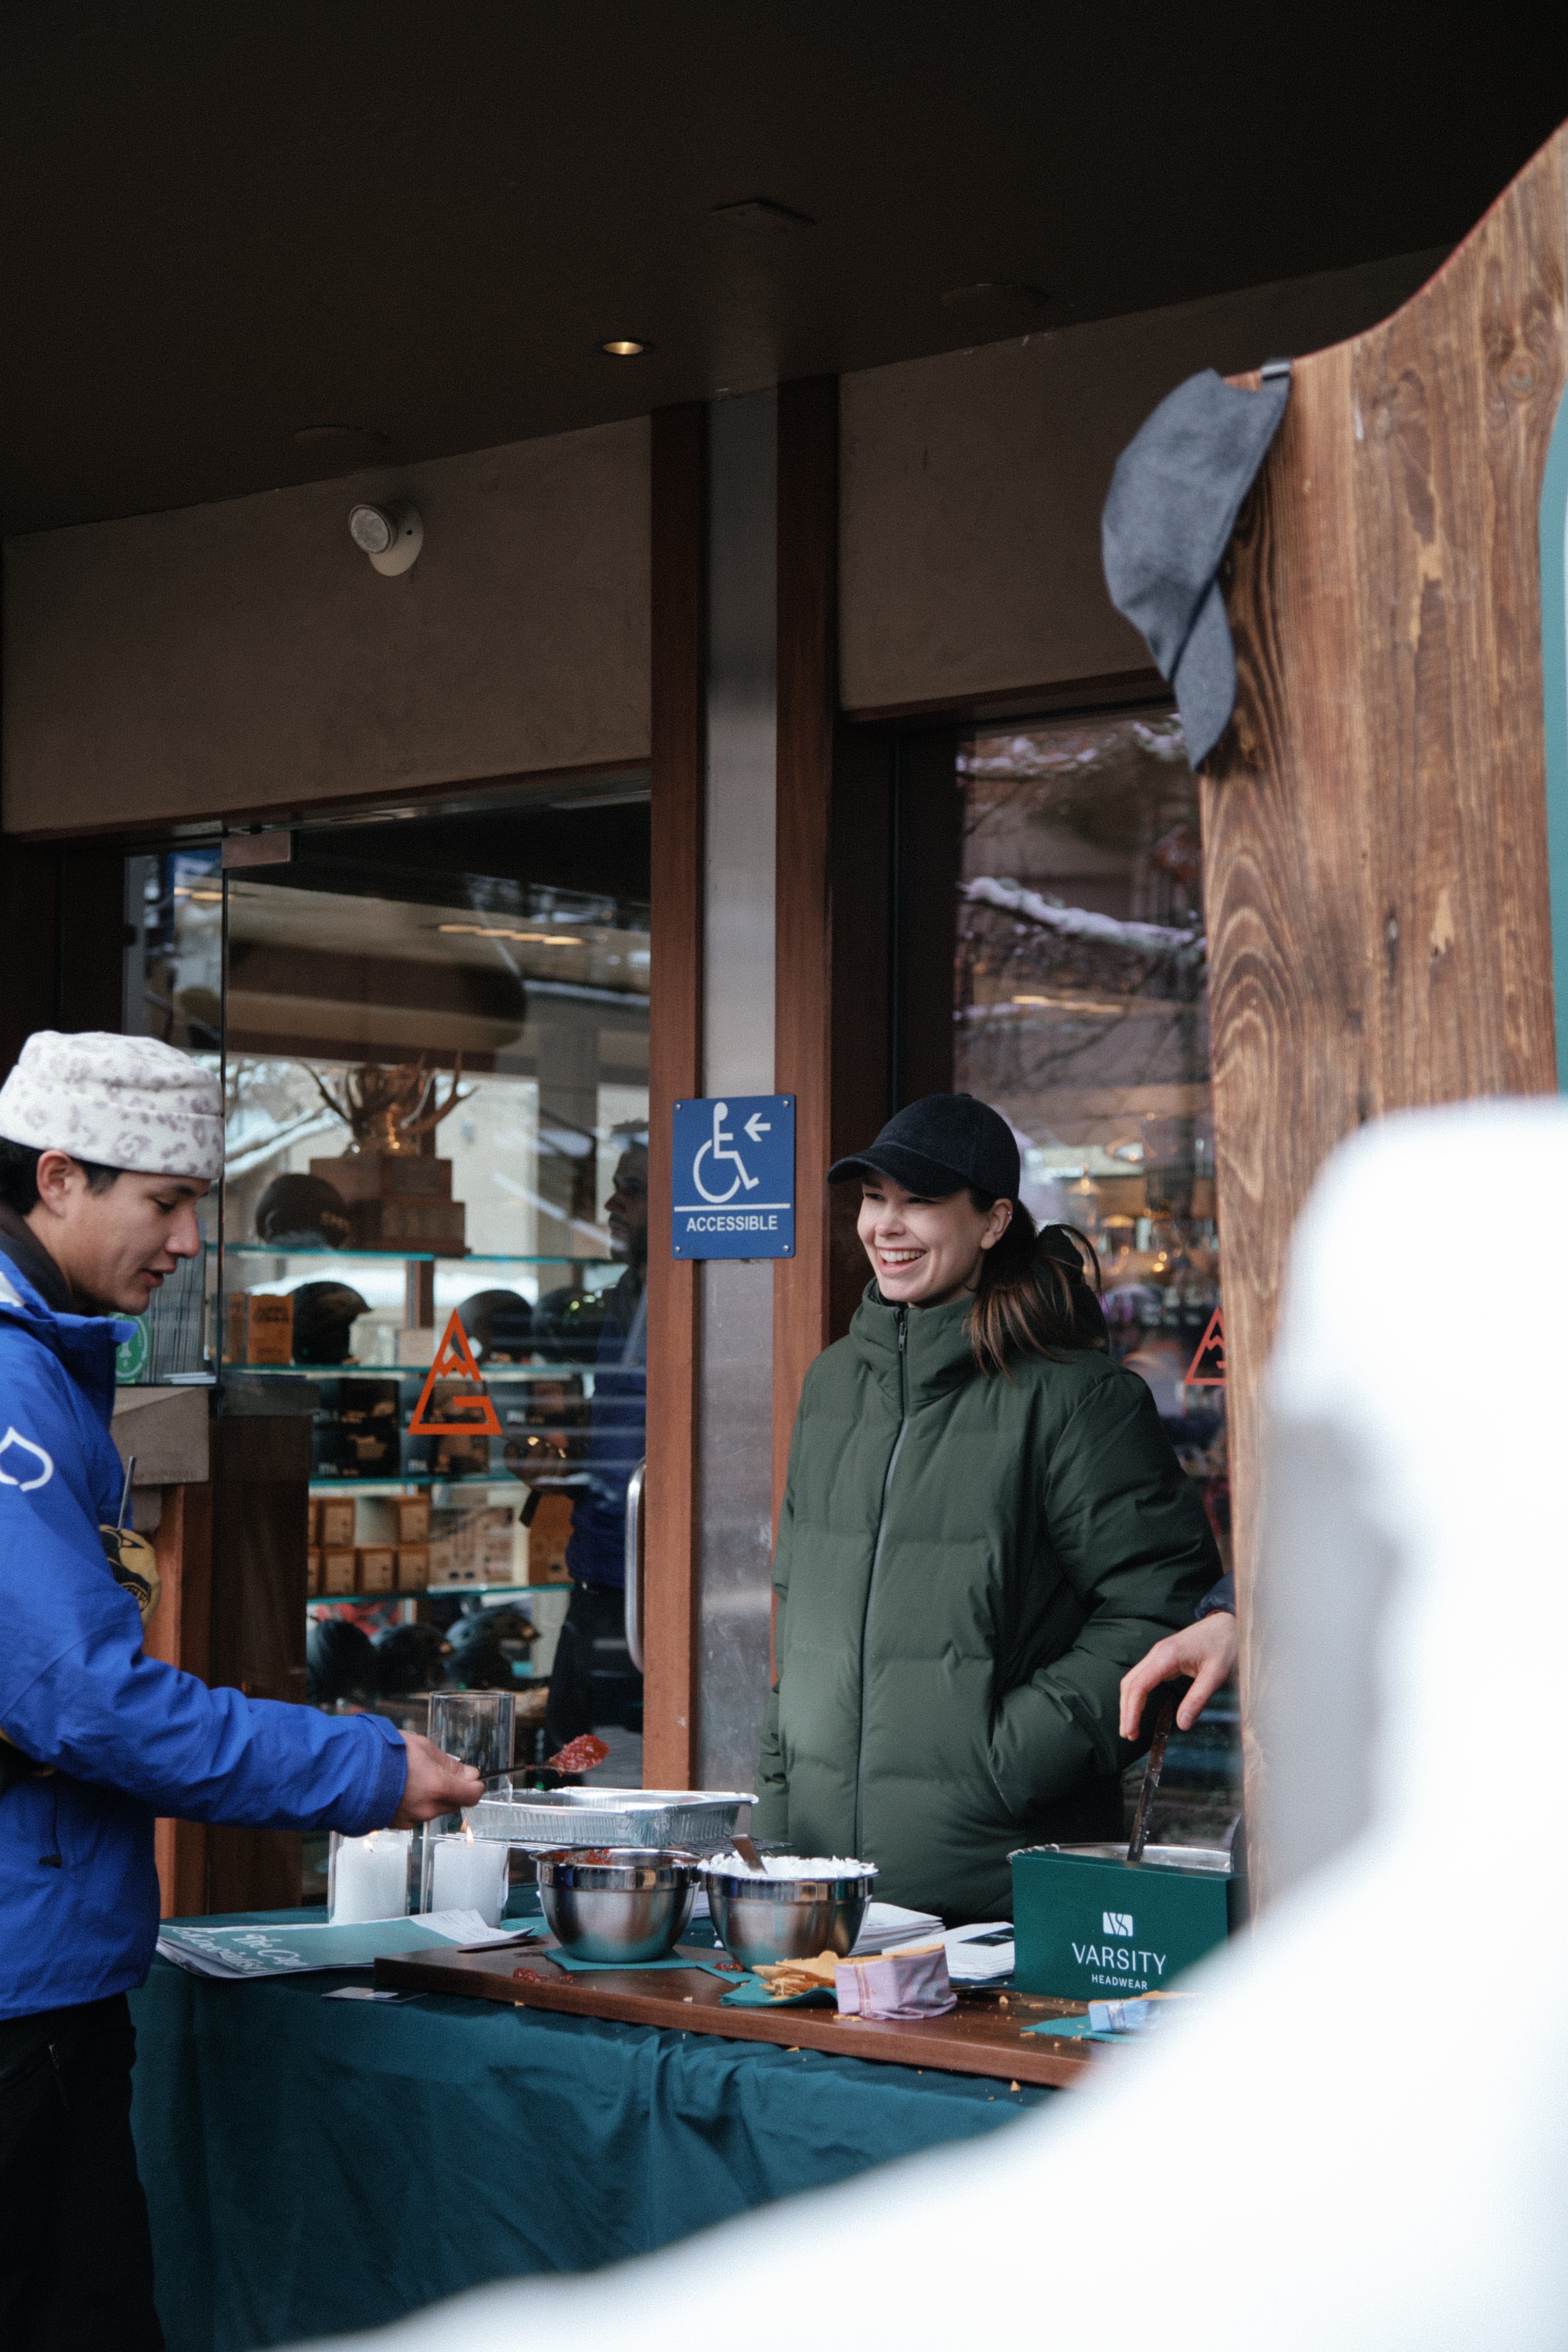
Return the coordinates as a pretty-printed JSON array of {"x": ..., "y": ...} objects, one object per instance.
[{"x": 130, "y": 1738}]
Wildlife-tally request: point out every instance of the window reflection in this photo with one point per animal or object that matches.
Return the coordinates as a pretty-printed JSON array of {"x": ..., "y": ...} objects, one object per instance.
[{"x": 1080, "y": 1011}]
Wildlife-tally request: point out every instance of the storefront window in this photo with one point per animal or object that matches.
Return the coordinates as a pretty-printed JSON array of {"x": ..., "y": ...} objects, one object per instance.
[
  {"x": 433, "y": 1040},
  {"x": 1080, "y": 1010}
]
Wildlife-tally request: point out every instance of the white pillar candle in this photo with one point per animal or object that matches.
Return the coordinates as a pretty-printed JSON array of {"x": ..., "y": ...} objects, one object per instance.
[
  {"x": 470, "y": 1874},
  {"x": 370, "y": 1877}
]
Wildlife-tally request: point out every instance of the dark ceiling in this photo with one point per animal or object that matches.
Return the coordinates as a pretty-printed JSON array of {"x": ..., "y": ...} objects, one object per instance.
[{"x": 222, "y": 226}]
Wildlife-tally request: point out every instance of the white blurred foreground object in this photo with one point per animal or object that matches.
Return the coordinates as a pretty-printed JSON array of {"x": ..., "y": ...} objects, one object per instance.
[{"x": 1346, "y": 2170}]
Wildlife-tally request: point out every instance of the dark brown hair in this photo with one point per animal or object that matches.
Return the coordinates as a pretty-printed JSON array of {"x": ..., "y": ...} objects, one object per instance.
[
  {"x": 19, "y": 1174},
  {"x": 1030, "y": 1297}
]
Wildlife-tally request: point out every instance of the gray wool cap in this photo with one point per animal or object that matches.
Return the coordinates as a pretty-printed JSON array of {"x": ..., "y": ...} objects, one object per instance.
[{"x": 1175, "y": 497}]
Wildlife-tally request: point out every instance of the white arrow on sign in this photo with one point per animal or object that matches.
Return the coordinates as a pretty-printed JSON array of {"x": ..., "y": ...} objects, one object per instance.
[{"x": 757, "y": 1126}]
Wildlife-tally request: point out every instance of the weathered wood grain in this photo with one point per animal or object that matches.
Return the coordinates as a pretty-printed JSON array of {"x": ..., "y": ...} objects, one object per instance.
[{"x": 1375, "y": 818}]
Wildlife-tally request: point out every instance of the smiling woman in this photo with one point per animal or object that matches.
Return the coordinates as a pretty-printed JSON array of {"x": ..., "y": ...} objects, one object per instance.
[{"x": 984, "y": 1528}]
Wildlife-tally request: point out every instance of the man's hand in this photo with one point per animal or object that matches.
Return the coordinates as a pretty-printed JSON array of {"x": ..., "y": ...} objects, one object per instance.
[
  {"x": 436, "y": 1783},
  {"x": 1206, "y": 1651}
]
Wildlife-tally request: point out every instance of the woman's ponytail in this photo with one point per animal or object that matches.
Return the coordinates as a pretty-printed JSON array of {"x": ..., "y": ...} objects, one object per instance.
[{"x": 1034, "y": 1295}]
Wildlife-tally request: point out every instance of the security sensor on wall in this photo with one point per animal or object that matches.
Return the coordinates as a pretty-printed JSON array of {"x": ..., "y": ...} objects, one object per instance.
[{"x": 390, "y": 535}]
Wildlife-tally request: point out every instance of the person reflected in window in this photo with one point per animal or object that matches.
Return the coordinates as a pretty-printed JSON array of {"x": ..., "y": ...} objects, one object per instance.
[{"x": 592, "y": 1681}]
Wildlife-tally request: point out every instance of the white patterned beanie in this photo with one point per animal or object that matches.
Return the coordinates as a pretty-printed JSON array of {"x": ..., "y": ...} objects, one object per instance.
[{"x": 130, "y": 1103}]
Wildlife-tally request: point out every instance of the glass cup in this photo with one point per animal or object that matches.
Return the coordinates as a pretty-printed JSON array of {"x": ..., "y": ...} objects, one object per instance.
[{"x": 476, "y": 1727}]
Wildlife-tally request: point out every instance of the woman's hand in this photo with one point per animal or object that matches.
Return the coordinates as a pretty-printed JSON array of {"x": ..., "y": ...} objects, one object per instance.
[
  {"x": 436, "y": 1783},
  {"x": 1206, "y": 1651}
]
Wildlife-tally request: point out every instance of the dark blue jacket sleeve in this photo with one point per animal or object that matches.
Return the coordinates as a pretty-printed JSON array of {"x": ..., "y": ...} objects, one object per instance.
[{"x": 79, "y": 1692}]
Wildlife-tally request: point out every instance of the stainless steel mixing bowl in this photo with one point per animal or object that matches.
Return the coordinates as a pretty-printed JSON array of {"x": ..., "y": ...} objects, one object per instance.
[
  {"x": 759, "y": 1921},
  {"x": 628, "y": 1903}
]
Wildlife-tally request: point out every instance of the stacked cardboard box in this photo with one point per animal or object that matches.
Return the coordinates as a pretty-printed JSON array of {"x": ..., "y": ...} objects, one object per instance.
[
  {"x": 413, "y": 1567},
  {"x": 338, "y": 1569},
  {"x": 399, "y": 1202},
  {"x": 260, "y": 1329},
  {"x": 473, "y": 1546},
  {"x": 377, "y": 1568},
  {"x": 332, "y": 1521}
]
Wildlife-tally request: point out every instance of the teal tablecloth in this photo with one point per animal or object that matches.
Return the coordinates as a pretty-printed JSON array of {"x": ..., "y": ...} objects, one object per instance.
[{"x": 315, "y": 2165}]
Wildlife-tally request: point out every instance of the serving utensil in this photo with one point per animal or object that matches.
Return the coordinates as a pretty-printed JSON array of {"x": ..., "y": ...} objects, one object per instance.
[{"x": 1163, "y": 1719}]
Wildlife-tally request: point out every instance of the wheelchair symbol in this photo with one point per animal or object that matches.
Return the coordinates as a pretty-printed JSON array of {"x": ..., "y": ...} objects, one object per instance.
[{"x": 721, "y": 1146}]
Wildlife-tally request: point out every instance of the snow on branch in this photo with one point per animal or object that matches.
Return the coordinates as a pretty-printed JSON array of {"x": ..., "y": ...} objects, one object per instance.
[{"x": 1079, "y": 923}]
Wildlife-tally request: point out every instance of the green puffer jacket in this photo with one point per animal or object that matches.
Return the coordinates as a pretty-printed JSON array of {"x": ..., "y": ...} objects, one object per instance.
[{"x": 966, "y": 1567}]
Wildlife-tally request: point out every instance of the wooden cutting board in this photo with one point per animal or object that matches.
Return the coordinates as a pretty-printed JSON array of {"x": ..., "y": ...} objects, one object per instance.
[{"x": 985, "y": 2035}]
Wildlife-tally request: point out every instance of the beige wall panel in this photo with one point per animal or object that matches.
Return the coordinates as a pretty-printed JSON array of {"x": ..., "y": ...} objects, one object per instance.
[
  {"x": 971, "y": 484},
  {"x": 244, "y": 655}
]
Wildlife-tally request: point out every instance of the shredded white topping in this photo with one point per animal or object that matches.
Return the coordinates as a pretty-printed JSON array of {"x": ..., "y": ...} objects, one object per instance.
[{"x": 794, "y": 1865}]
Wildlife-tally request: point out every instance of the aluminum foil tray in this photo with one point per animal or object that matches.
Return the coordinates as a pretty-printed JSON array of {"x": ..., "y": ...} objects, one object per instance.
[{"x": 590, "y": 1816}]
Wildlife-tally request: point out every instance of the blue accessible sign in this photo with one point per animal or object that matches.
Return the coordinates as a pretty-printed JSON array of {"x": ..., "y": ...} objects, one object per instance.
[{"x": 733, "y": 1177}]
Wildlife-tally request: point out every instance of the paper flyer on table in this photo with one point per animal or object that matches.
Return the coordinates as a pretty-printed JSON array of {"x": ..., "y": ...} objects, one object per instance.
[{"x": 276, "y": 1949}]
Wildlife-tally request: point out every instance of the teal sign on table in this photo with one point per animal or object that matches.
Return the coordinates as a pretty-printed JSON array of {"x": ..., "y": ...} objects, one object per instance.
[{"x": 732, "y": 1177}]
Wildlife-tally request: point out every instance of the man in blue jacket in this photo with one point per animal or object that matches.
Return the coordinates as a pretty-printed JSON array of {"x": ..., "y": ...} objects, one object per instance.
[{"x": 106, "y": 1143}]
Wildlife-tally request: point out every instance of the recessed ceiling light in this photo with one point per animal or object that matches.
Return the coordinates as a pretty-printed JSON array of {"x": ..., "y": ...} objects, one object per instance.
[
  {"x": 761, "y": 217},
  {"x": 625, "y": 349}
]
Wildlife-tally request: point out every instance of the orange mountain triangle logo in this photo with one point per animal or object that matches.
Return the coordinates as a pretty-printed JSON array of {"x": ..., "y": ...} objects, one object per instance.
[
  {"x": 455, "y": 1360},
  {"x": 1206, "y": 1369}
]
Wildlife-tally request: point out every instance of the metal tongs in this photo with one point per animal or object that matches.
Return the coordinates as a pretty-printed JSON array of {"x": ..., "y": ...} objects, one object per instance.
[{"x": 1163, "y": 1719}]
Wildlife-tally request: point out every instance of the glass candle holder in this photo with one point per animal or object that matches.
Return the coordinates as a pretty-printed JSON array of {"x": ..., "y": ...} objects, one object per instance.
[
  {"x": 476, "y": 1727},
  {"x": 464, "y": 1874},
  {"x": 367, "y": 1877}
]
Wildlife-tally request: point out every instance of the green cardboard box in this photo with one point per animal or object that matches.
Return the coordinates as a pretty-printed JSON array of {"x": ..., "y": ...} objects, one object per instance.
[{"x": 1089, "y": 1925}]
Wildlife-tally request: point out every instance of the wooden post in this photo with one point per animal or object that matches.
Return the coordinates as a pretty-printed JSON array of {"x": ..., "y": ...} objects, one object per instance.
[
  {"x": 675, "y": 1065},
  {"x": 181, "y": 1635},
  {"x": 1374, "y": 819},
  {"x": 261, "y": 1464},
  {"x": 803, "y": 954}
]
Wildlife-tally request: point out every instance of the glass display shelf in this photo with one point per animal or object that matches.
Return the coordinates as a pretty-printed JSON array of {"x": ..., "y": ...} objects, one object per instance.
[
  {"x": 414, "y": 1257},
  {"x": 549, "y": 1369},
  {"x": 356, "y": 1600},
  {"x": 388, "y": 1484}
]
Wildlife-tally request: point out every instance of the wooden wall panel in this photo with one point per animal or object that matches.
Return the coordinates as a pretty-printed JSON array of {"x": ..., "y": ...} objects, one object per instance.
[
  {"x": 674, "y": 1069},
  {"x": 1375, "y": 818}
]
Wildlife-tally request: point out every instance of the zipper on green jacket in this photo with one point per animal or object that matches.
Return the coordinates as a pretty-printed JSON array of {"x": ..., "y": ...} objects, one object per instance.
[{"x": 875, "y": 1561}]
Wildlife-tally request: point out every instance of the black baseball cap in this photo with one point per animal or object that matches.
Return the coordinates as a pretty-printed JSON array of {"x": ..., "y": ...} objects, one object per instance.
[{"x": 939, "y": 1145}]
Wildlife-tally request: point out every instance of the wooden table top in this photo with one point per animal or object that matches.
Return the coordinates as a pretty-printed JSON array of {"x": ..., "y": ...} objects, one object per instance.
[{"x": 984, "y": 2035}]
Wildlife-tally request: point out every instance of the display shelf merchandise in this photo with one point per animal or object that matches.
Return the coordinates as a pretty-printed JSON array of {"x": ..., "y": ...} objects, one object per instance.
[
  {"x": 412, "y": 1256},
  {"x": 352, "y": 1367}
]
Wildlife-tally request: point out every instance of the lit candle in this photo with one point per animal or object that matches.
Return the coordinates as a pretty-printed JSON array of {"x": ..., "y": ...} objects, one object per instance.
[
  {"x": 370, "y": 1877},
  {"x": 470, "y": 1874}
]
